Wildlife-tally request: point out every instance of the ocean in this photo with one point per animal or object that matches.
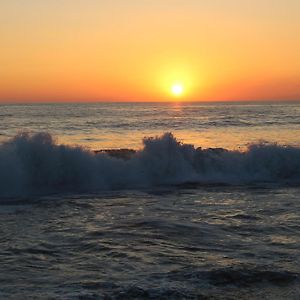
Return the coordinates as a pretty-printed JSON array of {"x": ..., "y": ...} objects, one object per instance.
[{"x": 150, "y": 201}]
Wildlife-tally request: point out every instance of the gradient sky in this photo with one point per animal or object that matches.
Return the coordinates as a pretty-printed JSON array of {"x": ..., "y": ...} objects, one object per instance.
[{"x": 134, "y": 50}]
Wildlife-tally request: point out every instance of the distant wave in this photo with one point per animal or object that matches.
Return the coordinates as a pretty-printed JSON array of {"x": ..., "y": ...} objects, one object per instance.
[{"x": 33, "y": 164}]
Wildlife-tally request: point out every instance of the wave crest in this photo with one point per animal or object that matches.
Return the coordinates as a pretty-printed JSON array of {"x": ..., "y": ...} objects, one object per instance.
[{"x": 36, "y": 164}]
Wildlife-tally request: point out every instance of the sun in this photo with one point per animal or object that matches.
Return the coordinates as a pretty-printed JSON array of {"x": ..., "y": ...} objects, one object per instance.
[{"x": 177, "y": 89}]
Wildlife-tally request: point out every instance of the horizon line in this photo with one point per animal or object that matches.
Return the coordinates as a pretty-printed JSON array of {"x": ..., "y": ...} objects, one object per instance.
[{"x": 147, "y": 101}]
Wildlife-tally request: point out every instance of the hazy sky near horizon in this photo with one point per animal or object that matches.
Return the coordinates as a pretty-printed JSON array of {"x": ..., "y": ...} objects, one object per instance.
[{"x": 135, "y": 50}]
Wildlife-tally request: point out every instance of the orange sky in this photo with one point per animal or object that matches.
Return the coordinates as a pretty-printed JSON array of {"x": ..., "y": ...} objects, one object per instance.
[{"x": 135, "y": 50}]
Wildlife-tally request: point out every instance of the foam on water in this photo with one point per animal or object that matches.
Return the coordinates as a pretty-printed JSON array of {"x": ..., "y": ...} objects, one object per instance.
[{"x": 35, "y": 164}]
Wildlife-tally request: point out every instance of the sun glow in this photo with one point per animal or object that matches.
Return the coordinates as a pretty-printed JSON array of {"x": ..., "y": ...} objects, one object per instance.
[
  {"x": 177, "y": 81},
  {"x": 177, "y": 90}
]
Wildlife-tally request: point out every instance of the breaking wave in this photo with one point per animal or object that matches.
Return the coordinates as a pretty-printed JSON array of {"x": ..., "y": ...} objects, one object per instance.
[{"x": 35, "y": 164}]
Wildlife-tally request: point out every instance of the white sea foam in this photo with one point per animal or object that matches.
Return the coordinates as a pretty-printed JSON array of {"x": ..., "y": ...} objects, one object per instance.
[{"x": 36, "y": 164}]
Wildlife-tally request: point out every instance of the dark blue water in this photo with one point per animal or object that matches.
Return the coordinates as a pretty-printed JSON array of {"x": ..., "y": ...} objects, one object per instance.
[
  {"x": 167, "y": 243},
  {"x": 171, "y": 221}
]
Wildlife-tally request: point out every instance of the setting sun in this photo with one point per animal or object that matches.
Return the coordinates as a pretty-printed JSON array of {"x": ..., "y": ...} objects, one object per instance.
[
  {"x": 121, "y": 121},
  {"x": 177, "y": 90}
]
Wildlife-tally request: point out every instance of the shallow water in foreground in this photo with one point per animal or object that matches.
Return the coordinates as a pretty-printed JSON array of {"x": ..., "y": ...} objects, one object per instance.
[
  {"x": 163, "y": 243},
  {"x": 171, "y": 222}
]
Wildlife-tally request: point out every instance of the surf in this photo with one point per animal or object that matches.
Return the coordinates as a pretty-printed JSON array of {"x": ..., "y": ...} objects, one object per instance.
[{"x": 34, "y": 163}]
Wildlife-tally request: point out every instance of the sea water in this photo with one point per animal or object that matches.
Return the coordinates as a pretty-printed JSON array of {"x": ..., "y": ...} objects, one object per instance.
[
  {"x": 124, "y": 125},
  {"x": 208, "y": 208}
]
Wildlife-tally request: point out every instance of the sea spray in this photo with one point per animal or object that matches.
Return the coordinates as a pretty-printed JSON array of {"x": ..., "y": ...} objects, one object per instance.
[{"x": 33, "y": 164}]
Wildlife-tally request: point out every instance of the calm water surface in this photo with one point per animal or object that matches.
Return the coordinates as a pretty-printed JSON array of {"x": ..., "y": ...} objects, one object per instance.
[{"x": 123, "y": 125}]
